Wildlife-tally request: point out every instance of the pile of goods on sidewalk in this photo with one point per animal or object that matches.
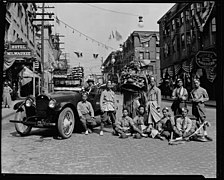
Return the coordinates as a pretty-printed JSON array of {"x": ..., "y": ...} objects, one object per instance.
[
  {"x": 132, "y": 79},
  {"x": 77, "y": 72}
]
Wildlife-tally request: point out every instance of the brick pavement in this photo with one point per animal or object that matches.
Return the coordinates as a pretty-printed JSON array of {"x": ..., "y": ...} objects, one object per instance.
[
  {"x": 40, "y": 153},
  {"x": 108, "y": 154}
]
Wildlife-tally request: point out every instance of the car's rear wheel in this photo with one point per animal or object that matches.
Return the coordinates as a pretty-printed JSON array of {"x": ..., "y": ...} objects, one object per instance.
[
  {"x": 66, "y": 123},
  {"x": 22, "y": 129}
]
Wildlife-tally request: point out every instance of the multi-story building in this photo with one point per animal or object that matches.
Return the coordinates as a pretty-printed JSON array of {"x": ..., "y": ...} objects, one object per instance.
[
  {"x": 20, "y": 47},
  {"x": 22, "y": 59},
  {"x": 188, "y": 44},
  {"x": 141, "y": 46}
]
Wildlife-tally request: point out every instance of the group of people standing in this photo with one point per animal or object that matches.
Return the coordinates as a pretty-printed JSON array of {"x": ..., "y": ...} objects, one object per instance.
[{"x": 148, "y": 120}]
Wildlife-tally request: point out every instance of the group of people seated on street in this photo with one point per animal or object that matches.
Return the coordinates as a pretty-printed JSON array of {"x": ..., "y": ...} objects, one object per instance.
[{"x": 148, "y": 120}]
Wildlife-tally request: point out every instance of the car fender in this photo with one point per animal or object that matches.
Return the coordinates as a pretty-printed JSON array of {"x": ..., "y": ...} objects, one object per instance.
[
  {"x": 63, "y": 105},
  {"x": 18, "y": 105}
]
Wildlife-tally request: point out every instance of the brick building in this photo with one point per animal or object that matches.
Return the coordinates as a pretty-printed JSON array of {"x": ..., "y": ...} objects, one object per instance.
[
  {"x": 141, "y": 46},
  {"x": 188, "y": 44}
]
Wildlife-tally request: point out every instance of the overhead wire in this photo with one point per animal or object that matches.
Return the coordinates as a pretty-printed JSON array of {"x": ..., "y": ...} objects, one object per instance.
[{"x": 109, "y": 10}]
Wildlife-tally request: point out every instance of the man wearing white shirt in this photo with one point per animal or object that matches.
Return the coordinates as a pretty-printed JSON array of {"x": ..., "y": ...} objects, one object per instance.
[{"x": 179, "y": 96}]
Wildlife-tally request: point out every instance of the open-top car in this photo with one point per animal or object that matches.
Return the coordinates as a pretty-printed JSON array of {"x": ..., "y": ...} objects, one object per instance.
[{"x": 54, "y": 110}]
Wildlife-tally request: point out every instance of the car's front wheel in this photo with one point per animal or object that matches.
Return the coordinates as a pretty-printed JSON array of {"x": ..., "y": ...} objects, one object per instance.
[
  {"x": 22, "y": 129},
  {"x": 66, "y": 123}
]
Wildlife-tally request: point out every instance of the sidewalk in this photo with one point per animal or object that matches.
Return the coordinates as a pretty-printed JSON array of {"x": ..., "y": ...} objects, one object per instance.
[
  {"x": 6, "y": 112},
  {"x": 210, "y": 103}
]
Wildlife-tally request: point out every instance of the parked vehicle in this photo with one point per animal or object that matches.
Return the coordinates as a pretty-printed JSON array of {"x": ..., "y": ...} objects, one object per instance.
[{"x": 56, "y": 110}]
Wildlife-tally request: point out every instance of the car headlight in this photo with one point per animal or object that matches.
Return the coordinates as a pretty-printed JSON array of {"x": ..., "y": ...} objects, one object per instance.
[
  {"x": 52, "y": 103},
  {"x": 28, "y": 102}
]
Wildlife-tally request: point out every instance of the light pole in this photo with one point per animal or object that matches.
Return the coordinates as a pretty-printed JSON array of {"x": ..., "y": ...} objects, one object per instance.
[{"x": 112, "y": 62}]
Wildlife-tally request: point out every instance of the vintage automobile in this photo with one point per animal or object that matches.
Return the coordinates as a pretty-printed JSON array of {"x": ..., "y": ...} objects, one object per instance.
[{"x": 54, "y": 110}]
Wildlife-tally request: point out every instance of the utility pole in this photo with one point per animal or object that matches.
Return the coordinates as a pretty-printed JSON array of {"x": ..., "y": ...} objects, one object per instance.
[
  {"x": 42, "y": 49},
  {"x": 42, "y": 38}
]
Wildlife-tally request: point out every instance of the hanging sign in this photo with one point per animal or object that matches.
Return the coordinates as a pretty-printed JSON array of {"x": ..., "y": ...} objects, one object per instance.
[
  {"x": 206, "y": 59},
  {"x": 19, "y": 49}
]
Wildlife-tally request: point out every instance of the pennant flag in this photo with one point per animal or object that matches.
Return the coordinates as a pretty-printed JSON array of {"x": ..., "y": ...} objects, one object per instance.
[
  {"x": 57, "y": 20},
  {"x": 78, "y": 54},
  {"x": 109, "y": 37},
  {"x": 118, "y": 36},
  {"x": 113, "y": 34},
  {"x": 95, "y": 55}
]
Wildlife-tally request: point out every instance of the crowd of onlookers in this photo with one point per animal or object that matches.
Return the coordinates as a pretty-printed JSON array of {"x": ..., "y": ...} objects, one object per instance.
[{"x": 149, "y": 120}]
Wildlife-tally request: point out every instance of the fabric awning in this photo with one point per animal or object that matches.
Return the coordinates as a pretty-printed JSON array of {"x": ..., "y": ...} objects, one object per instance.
[{"x": 28, "y": 73}]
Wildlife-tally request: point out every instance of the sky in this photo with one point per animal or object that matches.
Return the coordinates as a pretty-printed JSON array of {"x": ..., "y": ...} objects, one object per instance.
[{"x": 98, "y": 24}]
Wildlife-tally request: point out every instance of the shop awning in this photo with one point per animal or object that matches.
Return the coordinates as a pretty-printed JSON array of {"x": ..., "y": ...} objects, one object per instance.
[{"x": 26, "y": 75}]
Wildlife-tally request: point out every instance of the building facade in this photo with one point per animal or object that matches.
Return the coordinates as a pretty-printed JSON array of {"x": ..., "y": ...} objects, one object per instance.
[
  {"x": 188, "y": 44},
  {"x": 22, "y": 57},
  {"x": 140, "y": 46},
  {"x": 21, "y": 49}
]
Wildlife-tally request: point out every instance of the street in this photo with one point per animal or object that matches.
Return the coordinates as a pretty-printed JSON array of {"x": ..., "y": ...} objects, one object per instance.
[{"x": 41, "y": 153}]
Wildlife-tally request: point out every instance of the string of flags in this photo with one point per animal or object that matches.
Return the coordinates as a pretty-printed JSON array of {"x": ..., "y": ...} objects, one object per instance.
[
  {"x": 79, "y": 55},
  {"x": 117, "y": 35}
]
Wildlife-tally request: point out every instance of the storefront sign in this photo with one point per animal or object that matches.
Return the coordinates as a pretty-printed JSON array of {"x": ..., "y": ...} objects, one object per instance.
[
  {"x": 206, "y": 59},
  {"x": 19, "y": 48},
  {"x": 19, "y": 53}
]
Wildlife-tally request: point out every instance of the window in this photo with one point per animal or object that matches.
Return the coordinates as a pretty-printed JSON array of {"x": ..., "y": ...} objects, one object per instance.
[
  {"x": 173, "y": 46},
  {"x": 187, "y": 15},
  {"x": 198, "y": 7},
  {"x": 157, "y": 55},
  {"x": 213, "y": 25},
  {"x": 173, "y": 25},
  {"x": 182, "y": 18},
  {"x": 177, "y": 22},
  {"x": 178, "y": 43},
  {"x": 141, "y": 55},
  {"x": 192, "y": 10},
  {"x": 147, "y": 55},
  {"x": 188, "y": 38},
  {"x": 182, "y": 41}
]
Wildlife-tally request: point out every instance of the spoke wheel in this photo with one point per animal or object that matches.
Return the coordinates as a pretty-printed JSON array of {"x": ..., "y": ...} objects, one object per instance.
[
  {"x": 22, "y": 129},
  {"x": 66, "y": 123}
]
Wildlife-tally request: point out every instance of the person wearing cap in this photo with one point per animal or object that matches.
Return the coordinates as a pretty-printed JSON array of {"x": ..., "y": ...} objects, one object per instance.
[
  {"x": 184, "y": 126},
  {"x": 179, "y": 96},
  {"x": 90, "y": 85},
  {"x": 165, "y": 125},
  {"x": 199, "y": 95},
  {"x": 107, "y": 106},
  {"x": 153, "y": 102},
  {"x": 123, "y": 126},
  {"x": 86, "y": 114},
  {"x": 6, "y": 95}
]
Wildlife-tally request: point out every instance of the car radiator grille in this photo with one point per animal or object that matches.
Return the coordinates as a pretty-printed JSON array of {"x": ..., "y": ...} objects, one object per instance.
[{"x": 42, "y": 107}]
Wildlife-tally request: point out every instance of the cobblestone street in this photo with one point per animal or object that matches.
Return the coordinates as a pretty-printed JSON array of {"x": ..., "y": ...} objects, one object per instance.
[{"x": 40, "y": 153}]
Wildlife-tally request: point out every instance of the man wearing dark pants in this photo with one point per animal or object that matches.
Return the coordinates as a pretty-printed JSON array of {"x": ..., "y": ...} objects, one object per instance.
[
  {"x": 107, "y": 106},
  {"x": 86, "y": 114}
]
